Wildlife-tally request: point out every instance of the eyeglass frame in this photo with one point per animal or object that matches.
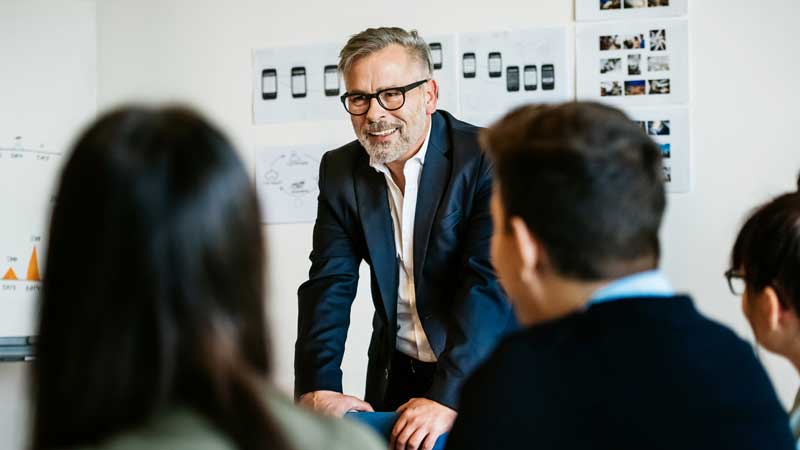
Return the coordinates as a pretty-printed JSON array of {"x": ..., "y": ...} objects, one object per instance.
[
  {"x": 730, "y": 274},
  {"x": 376, "y": 95}
]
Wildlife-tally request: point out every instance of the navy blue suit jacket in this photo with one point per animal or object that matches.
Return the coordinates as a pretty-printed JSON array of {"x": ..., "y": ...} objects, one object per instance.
[{"x": 460, "y": 303}]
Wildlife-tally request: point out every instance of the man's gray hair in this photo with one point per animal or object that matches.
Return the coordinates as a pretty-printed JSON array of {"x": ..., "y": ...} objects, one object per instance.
[{"x": 373, "y": 40}]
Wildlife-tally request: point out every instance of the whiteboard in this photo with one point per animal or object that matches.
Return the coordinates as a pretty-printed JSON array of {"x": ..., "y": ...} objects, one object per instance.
[{"x": 48, "y": 87}]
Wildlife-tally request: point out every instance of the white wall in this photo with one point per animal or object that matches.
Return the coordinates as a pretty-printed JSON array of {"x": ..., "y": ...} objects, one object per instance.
[
  {"x": 743, "y": 69},
  {"x": 743, "y": 72},
  {"x": 13, "y": 404}
]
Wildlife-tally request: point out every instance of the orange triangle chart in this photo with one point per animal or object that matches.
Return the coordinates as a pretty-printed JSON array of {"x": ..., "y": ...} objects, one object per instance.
[
  {"x": 33, "y": 267},
  {"x": 10, "y": 275}
]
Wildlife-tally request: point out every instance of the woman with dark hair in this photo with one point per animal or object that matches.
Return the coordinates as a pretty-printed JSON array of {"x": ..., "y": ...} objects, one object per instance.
[
  {"x": 765, "y": 272},
  {"x": 152, "y": 331}
]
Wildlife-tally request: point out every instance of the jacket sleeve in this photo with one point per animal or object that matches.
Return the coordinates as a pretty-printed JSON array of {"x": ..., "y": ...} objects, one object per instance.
[
  {"x": 481, "y": 313},
  {"x": 324, "y": 300}
]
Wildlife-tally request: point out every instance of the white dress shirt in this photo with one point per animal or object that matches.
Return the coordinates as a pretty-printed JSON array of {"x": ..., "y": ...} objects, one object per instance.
[{"x": 411, "y": 338}]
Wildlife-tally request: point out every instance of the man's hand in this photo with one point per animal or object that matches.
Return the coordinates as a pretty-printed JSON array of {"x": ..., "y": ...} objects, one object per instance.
[
  {"x": 333, "y": 403},
  {"x": 420, "y": 424}
]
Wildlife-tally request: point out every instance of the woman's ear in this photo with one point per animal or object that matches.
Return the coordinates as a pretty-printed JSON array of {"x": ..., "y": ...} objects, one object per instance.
[
  {"x": 773, "y": 313},
  {"x": 776, "y": 327},
  {"x": 786, "y": 318}
]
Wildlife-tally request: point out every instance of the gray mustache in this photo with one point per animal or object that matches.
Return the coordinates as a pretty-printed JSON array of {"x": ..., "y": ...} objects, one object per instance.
[{"x": 381, "y": 126}]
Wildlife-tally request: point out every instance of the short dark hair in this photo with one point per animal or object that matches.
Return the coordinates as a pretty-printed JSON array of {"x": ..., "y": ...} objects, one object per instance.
[
  {"x": 153, "y": 288},
  {"x": 586, "y": 180},
  {"x": 767, "y": 249}
]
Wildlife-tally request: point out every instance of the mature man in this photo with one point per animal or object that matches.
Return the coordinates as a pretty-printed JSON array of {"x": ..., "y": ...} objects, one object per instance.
[
  {"x": 411, "y": 198},
  {"x": 611, "y": 357}
]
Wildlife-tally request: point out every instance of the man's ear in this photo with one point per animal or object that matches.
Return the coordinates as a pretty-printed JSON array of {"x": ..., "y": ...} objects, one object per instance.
[
  {"x": 527, "y": 246},
  {"x": 431, "y": 96}
]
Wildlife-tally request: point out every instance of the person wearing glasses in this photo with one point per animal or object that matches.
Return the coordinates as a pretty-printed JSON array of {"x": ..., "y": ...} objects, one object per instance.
[
  {"x": 410, "y": 197},
  {"x": 765, "y": 272},
  {"x": 610, "y": 356}
]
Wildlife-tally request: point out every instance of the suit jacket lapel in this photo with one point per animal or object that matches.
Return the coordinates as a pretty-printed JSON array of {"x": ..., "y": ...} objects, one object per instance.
[
  {"x": 432, "y": 183},
  {"x": 373, "y": 210}
]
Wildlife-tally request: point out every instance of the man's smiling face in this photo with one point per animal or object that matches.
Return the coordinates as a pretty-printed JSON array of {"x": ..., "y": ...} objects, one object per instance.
[{"x": 389, "y": 135}]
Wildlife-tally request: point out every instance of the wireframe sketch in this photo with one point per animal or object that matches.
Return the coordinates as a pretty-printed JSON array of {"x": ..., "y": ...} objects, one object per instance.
[
  {"x": 436, "y": 55},
  {"x": 512, "y": 78},
  {"x": 530, "y": 77},
  {"x": 495, "y": 64},
  {"x": 468, "y": 65},
  {"x": 331, "y": 85},
  {"x": 446, "y": 68},
  {"x": 286, "y": 180},
  {"x": 504, "y": 69},
  {"x": 297, "y": 83},
  {"x": 269, "y": 84}
]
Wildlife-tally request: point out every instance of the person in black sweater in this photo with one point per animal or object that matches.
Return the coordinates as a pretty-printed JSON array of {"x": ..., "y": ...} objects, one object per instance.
[{"x": 609, "y": 357}]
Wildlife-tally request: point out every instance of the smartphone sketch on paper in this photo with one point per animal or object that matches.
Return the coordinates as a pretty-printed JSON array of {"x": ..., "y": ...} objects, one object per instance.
[
  {"x": 468, "y": 65},
  {"x": 298, "y": 82},
  {"x": 269, "y": 84},
  {"x": 495, "y": 65},
  {"x": 436, "y": 55},
  {"x": 530, "y": 77},
  {"x": 512, "y": 78},
  {"x": 548, "y": 77},
  {"x": 331, "y": 80}
]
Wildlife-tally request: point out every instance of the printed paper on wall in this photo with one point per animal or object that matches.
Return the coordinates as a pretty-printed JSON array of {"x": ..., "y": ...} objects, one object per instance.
[
  {"x": 634, "y": 63},
  {"x": 502, "y": 70},
  {"x": 669, "y": 127},
  {"x": 297, "y": 83},
  {"x": 586, "y": 10}
]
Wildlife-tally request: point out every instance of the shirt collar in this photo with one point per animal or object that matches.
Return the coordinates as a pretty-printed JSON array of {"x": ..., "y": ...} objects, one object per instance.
[
  {"x": 651, "y": 283},
  {"x": 418, "y": 157}
]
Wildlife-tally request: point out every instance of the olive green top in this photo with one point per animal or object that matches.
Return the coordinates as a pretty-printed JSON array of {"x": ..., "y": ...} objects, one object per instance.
[{"x": 181, "y": 428}]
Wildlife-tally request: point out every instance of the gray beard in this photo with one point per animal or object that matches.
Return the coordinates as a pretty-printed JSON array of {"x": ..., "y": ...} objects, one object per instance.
[{"x": 385, "y": 153}]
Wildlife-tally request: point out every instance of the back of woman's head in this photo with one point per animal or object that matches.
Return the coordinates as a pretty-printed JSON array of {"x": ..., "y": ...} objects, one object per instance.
[
  {"x": 153, "y": 287},
  {"x": 767, "y": 249}
]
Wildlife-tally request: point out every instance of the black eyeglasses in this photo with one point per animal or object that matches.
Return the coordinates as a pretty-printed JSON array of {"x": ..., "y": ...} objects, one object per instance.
[
  {"x": 390, "y": 99},
  {"x": 736, "y": 281}
]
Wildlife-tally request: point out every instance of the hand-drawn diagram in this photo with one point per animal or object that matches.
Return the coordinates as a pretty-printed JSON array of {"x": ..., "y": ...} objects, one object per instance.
[{"x": 287, "y": 183}]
